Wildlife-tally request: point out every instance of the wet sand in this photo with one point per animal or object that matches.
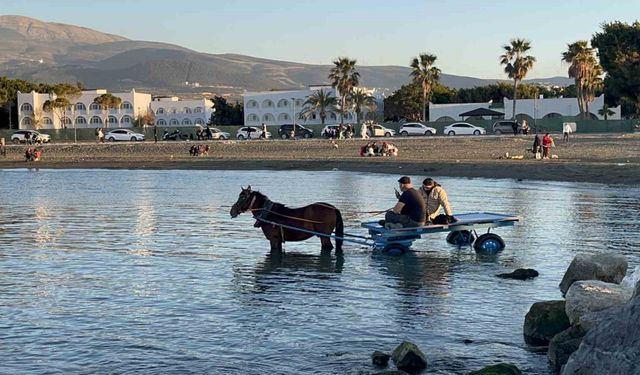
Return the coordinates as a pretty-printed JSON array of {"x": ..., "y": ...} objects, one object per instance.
[{"x": 610, "y": 159}]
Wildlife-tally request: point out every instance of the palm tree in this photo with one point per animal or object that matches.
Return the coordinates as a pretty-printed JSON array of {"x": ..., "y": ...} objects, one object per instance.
[
  {"x": 360, "y": 99},
  {"x": 585, "y": 70},
  {"x": 517, "y": 64},
  {"x": 320, "y": 102},
  {"x": 425, "y": 73},
  {"x": 606, "y": 111},
  {"x": 344, "y": 77},
  {"x": 107, "y": 102}
]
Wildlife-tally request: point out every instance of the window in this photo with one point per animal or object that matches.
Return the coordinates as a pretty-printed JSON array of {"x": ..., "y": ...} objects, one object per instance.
[
  {"x": 95, "y": 120},
  {"x": 267, "y": 104},
  {"x": 268, "y": 117},
  {"x": 197, "y": 110},
  {"x": 186, "y": 110},
  {"x": 26, "y": 107},
  {"x": 126, "y": 120},
  {"x": 161, "y": 122},
  {"x": 299, "y": 102},
  {"x": 126, "y": 105},
  {"x": 186, "y": 122},
  {"x": 252, "y": 104},
  {"x": 199, "y": 121},
  {"x": 174, "y": 122},
  {"x": 113, "y": 120},
  {"x": 174, "y": 110},
  {"x": 27, "y": 121},
  {"x": 160, "y": 111},
  {"x": 333, "y": 116},
  {"x": 66, "y": 122},
  {"x": 81, "y": 120},
  {"x": 283, "y": 117},
  {"x": 94, "y": 107},
  {"x": 47, "y": 121},
  {"x": 283, "y": 103},
  {"x": 253, "y": 117},
  {"x": 80, "y": 107}
]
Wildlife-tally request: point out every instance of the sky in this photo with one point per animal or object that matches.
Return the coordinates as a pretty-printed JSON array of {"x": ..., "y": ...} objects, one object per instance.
[{"x": 466, "y": 36}]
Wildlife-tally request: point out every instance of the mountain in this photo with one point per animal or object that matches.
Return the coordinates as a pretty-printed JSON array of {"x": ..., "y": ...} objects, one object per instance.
[{"x": 54, "y": 52}]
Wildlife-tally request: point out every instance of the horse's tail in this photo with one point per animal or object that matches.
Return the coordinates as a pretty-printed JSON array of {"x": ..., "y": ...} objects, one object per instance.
[{"x": 339, "y": 230}]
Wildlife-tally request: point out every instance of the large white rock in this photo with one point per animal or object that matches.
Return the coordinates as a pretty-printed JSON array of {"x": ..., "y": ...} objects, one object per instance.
[
  {"x": 610, "y": 268},
  {"x": 590, "y": 296}
]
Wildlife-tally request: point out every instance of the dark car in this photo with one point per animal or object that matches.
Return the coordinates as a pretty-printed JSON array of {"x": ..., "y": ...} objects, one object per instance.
[
  {"x": 285, "y": 131},
  {"x": 505, "y": 127}
]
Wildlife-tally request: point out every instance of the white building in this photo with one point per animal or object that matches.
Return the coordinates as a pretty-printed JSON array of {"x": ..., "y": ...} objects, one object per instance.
[
  {"x": 525, "y": 108},
  {"x": 280, "y": 107},
  {"x": 83, "y": 112},
  {"x": 171, "y": 111}
]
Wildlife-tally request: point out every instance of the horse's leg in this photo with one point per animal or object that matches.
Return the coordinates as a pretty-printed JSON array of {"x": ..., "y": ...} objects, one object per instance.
[{"x": 326, "y": 243}]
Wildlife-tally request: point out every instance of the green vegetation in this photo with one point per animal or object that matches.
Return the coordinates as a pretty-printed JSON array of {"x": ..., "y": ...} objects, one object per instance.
[
  {"x": 426, "y": 74},
  {"x": 359, "y": 100},
  {"x": 517, "y": 64},
  {"x": 107, "y": 102},
  {"x": 320, "y": 102},
  {"x": 345, "y": 78},
  {"x": 225, "y": 113},
  {"x": 586, "y": 71}
]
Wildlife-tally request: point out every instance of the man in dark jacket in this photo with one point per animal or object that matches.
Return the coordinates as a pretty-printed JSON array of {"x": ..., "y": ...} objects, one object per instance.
[{"x": 410, "y": 211}]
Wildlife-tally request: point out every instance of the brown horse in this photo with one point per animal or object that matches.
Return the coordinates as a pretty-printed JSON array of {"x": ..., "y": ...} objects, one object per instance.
[{"x": 317, "y": 217}]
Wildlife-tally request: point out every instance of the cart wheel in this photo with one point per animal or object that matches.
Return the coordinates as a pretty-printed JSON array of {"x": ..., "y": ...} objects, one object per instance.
[
  {"x": 489, "y": 243},
  {"x": 395, "y": 249},
  {"x": 460, "y": 238}
]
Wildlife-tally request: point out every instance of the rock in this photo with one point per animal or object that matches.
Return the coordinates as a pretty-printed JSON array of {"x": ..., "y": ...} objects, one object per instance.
[
  {"x": 611, "y": 346},
  {"x": 499, "y": 369},
  {"x": 590, "y": 296},
  {"x": 380, "y": 359},
  {"x": 467, "y": 341},
  {"x": 520, "y": 274},
  {"x": 408, "y": 357},
  {"x": 563, "y": 345},
  {"x": 610, "y": 268},
  {"x": 543, "y": 321},
  {"x": 636, "y": 293}
]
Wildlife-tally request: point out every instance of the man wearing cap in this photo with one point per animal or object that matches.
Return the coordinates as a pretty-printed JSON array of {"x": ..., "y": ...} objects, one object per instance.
[
  {"x": 410, "y": 209},
  {"x": 435, "y": 197}
]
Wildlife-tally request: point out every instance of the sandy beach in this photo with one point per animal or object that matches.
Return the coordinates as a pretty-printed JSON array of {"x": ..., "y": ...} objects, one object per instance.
[{"x": 610, "y": 159}]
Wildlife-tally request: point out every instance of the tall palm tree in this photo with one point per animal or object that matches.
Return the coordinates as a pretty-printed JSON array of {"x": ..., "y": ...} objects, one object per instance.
[
  {"x": 580, "y": 57},
  {"x": 319, "y": 102},
  {"x": 425, "y": 73},
  {"x": 360, "y": 100},
  {"x": 592, "y": 84},
  {"x": 344, "y": 77},
  {"x": 517, "y": 64}
]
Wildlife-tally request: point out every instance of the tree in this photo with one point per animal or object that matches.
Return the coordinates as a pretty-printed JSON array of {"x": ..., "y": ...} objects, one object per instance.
[
  {"x": 517, "y": 64},
  {"x": 106, "y": 103},
  {"x": 57, "y": 106},
  {"x": 586, "y": 72},
  {"x": 225, "y": 113},
  {"x": 618, "y": 46},
  {"x": 360, "y": 100},
  {"x": 145, "y": 119},
  {"x": 344, "y": 77},
  {"x": 425, "y": 73},
  {"x": 319, "y": 102},
  {"x": 606, "y": 111},
  {"x": 404, "y": 103}
]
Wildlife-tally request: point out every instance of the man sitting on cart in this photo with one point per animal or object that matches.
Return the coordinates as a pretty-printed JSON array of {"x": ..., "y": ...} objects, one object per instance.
[
  {"x": 409, "y": 211},
  {"x": 435, "y": 197}
]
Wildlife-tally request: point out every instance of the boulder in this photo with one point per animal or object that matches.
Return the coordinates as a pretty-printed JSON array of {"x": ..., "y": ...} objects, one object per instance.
[
  {"x": 590, "y": 296},
  {"x": 610, "y": 268},
  {"x": 408, "y": 357},
  {"x": 499, "y": 369},
  {"x": 563, "y": 345},
  {"x": 520, "y": 274},
  {"x": 611, "y": 346},
  {"x": 543, "y": 321},
  {"x": 380, "y": 359}
]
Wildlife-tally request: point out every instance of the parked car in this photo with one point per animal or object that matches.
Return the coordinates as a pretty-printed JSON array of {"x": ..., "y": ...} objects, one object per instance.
[
  {"x": 329, "y": 128},
  {"x": 251, "y": 132},
  {"x": 215, "y": 132},
  {"x": 285, "y": 131},
  {"x": 377, "y": 130},
  {"x": 463, "y": 128},
  {"x": 34, "y": 136},
  {"x": 416, "y": 128},
  {"x": 505, "y": 127},
  {"x": 123, "y": 135}
]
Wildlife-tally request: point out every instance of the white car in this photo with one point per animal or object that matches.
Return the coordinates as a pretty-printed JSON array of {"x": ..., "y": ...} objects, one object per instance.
[
  {"x": 34, "y": 136},
  {"x": 123, "y": 135},
  {"x": 215, "y": 133},
  {"x": 416, "y": 128},
  {"x": 377, "y": 130},
  {"x": 463, "y": 128},
  {"x": 250, "y": 132}
]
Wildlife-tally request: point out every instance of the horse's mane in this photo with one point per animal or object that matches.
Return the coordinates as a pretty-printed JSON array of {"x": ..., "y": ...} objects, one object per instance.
[{"x": 263, "y": 196}]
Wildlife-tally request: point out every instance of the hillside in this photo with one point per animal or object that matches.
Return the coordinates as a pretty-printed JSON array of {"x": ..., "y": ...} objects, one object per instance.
[{"x": 53, "y": 52}]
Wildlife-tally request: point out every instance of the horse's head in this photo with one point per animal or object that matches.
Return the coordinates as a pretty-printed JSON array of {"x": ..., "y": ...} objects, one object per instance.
[{"x": 243, "y": 203}]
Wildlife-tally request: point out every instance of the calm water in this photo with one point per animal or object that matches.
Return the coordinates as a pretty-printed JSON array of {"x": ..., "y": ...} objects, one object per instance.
[{"x": 144, "y": 272}]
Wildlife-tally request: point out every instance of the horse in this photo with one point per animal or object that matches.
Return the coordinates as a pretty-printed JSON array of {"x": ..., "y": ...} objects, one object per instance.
[{"x": 318, "y": 217}]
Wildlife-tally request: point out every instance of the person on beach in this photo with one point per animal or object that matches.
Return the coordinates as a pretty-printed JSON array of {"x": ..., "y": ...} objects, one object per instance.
[
  {"x": 363, "y": 132},
  {"x": 525, "y": 127},
  {"x": 410, "y": 210},
  {"x": 547, "y": 143},
  {"x": 3, "y": 150},
  {"x": 536, "y": 147},
  {"x": 209, "y": 133},
  {"x": 514, "y": 126},
  {"x": 27, "y": 138},
  {"x": 264, "y": 131},
  {"x": 566, "y": 129},
  {"x": 155, "y": 134},
  {"x": 435, "y": 198},
  {"x": 100, "y": 135}
]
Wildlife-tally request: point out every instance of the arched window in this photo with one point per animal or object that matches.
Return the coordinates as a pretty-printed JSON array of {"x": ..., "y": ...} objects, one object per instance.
[
  {"x": 81, "y": 120},
  {"x": 66, "y": 122},
  {"x": 95, "y": 120},
  {"x": 174, "y": 122},
  {"x": 198, "y": 110},
  {"x": 27, "y": 121},
  {"x": 80, "y": 107},
  {"x": 174, "y": 110},
  {"x": 283, "y": 103},
  {"x": 199, "y": 121},
  {"x": 26, "y": 107},
  {"x": 252, "y": 104},
  {"x": 268, "y": 117},
  {"x": 113, "y": 120},
  {"x": 283, "y": 117},
  {"x": 253, "y": 118},
  {"x": 267, "y": 104},
  {"x": 161, "y": 122},
  {"x": 186, "y": 122},
  {"x": 333, "y": 116},
  {"x": 126, "y": 120},
  {"x": 94, "y": 107},
  {"x": 552, "y": 115},
  {"x": 299, "y": 102},
  {"x": 126, "y": 105},
  {"x": 160, "y": 111},
  {"x": 186, "y": 110},
  {"x": 47, "y": 121}
]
